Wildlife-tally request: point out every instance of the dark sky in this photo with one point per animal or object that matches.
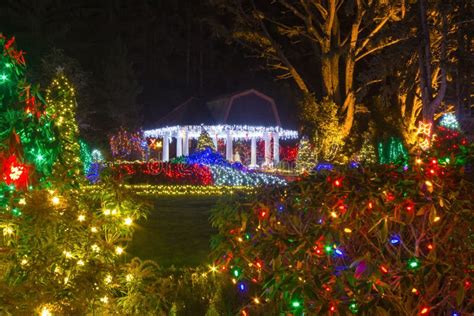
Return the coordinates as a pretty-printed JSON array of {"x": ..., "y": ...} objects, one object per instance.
[{"x": 167, "y": 46}]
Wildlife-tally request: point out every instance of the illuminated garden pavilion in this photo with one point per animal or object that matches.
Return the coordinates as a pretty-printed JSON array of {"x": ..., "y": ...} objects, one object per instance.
[{"x": 248, "y": 115}]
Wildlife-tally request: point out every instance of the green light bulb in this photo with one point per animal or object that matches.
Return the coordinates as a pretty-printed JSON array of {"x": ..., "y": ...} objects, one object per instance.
[
  {"x": 353, "y": 308},
  {"x": 413, "y": 263},
  {"x": 328, "y": 249},
  {"x": 296, "y": 304},
  {"x": 236, "y": 272}
]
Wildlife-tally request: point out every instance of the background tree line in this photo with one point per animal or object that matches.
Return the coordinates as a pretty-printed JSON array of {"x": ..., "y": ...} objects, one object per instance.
[{"x": 346, "y": 62}]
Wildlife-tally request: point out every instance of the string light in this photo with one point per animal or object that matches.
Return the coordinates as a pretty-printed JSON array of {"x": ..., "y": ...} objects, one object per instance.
[
  {"x": 187, "y": 190},
  {"x": 449, "y": 121},
  {"x": 119, "y": 250},
  {"x": 55, "y": 200},
  {"x": 395, "y": 240},
  {"x": 424, "y": 311},
  {"x": 413, "y": 263},
  {"x": 128, "y": 221},
  {"x": 45, "y": 312},
  {"x": 220, "y": 131}
]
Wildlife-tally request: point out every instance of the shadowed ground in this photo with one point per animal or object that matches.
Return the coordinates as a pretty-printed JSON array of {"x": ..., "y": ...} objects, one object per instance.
[{"x": 177, "y": 232}]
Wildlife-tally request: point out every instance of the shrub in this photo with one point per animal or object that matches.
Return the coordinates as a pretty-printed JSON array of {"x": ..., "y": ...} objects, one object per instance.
[{"x": 379, "y": 241}]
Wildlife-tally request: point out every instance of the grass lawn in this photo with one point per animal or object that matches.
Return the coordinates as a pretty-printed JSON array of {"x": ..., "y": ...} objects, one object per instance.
[{"x": 177, "y": 232}]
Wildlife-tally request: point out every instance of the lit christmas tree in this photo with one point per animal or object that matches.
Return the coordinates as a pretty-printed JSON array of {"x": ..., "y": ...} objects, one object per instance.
[
  {"x": 449, "y": 121},
  {"x": 205, "y": 141},
  {"x": 306, "y": 158},
  {"x": 61, "y": 100},
  {"x": 60, "y": 242},
  {"x": 367, "y": 153}
]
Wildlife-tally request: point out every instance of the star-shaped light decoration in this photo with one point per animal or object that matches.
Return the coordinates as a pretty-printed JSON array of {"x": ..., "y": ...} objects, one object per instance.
[{"x": 424, "y": 128}]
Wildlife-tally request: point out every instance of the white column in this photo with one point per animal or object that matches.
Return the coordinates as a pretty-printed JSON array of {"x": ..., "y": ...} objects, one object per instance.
[
  {"x": 179, "y": 145},
  {"x": 268, "y": 154},
  {"x": 214, "y": 140},
  {"x": 253, "y": 152},
  {"x": 186, "y": 144},
  {"x": 166, "y": 148},
  {"x": 276, "y": 148},
  {"x": 228, "y": 147}
]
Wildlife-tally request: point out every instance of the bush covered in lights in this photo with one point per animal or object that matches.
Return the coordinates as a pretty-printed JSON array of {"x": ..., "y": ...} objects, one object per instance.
[
  {"x": 157, "y": 172},
  {"x": 379, "y": 241},
  {"x": 60, "y": 243},
  {"x": 229, "y": 176}
]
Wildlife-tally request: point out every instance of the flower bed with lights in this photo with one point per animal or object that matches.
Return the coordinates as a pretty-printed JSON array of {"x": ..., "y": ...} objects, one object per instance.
[
  {"x": 155, "y": 172},
  {"x": 386, "y": 240},
  {"x": 202, "y": 168}
]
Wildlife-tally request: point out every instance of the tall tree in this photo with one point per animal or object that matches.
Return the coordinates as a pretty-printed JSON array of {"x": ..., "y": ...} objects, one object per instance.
[
  {"x": 318, "y": 44},
  {"x": 431, "y": 72}
]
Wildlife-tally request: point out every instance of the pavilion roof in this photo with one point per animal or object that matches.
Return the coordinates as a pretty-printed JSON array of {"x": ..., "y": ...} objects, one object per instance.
[{"x": 248, "y": 107}]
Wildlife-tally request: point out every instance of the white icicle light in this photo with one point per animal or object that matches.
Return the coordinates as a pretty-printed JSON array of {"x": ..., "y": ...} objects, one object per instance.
[{"x": 220, "y": 131}]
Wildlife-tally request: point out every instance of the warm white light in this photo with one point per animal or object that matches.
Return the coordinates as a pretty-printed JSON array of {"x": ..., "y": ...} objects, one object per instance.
[
  {"x": 118, "y": 250},
  {"x": 94, "y": 229},
  {"x": 108, "y": 279},
  {"x": 104, "y": 299},
  {"x": 7, "y": 231},
  {"x": 45, "y": 312},
  {"x": 221, "y": 131},
  {"x": 107, "y": 212},
  {"x": 81, "y": 218},
  {"x": 55, "y": 200},
  {"x": 128, "y": 221},
  {"x": 80, "y": 263}
]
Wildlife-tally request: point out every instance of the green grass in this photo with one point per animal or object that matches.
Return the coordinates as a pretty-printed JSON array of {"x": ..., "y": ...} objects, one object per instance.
[{"x": 177, "y": 232}]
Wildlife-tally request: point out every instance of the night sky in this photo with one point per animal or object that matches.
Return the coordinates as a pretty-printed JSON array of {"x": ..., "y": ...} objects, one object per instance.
[{"x": 167, "y": 46}]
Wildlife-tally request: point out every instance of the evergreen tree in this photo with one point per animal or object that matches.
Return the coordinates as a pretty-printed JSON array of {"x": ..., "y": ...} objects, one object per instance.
[
  {"x": 205, "y": 141},
  {"x": 60, "y": 242},
  {"x": 61, "y": 100},
  {"x": 306, "y": 158},
  {"x": 367, "y": 153},
  {"x": 27, "y": 141}
]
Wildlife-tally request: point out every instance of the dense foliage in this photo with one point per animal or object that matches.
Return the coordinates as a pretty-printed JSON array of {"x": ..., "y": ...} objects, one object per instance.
[
  {"x": 60, "y": 241},
  {"x": 382, "y": 240},
  {"x": 155, "y": 172}
]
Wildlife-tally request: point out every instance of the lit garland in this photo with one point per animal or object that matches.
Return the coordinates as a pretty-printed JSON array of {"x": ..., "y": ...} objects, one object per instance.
[
  {"x": 220, "y": 131},
  {"x": 186, "y": 190}
]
